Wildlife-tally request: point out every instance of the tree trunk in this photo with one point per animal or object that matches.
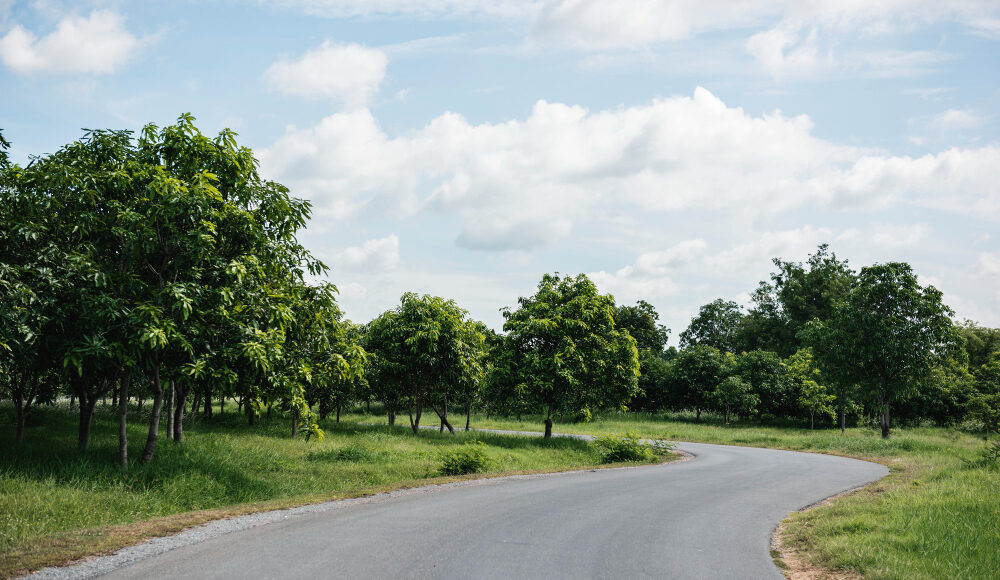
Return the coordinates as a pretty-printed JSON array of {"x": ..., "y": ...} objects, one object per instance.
[
  {"x": 179, "y": 415},
  {"x": 468, "y": 415},
  {"x": 885, "y": 421},
  {"x": 222, "y": 404},
  {"x": 154, "y": 415},
  {"x": 392, "y": 418},
  {"x": 415, "y": 422},
  {"x": 338, "y": 412},
  {"x": 123, "y": 420},
  {"x": 251, "y": 413},
  {"x": 368, "y": 407},
  {"x": 548, "y": 428},
  {"x": 22, "y": 412},
  {"x": 87, "y": 403},
  {"x": 171, "y": 402},
  {"x": 843, "y": 418},
  {"x": 444, "y": 421},
  {"x": 812, "y": 419},
  {"x": 72, "y": 401},
  {"x": 697, "y": 416},
  {"x": 295, "y": 423}
]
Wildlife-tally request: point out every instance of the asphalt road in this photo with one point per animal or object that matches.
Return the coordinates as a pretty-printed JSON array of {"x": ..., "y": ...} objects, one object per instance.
[{"x": 710, "y": 517}]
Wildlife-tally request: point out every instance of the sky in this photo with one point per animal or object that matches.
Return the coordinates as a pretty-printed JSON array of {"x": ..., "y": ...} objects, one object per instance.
[{"x": 669, "y": 149}]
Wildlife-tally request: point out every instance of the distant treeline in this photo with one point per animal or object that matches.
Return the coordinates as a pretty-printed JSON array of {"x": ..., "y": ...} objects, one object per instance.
[{"x": 162, "y": 269}]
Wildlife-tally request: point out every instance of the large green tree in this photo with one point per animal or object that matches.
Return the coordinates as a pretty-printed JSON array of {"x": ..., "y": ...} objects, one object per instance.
[
  {"x": 567, "y": 352},
  {"x": 694, "y": 374},
  {"x": 717, "y": 324},
  {"x": 422, "y": 351},
  {"x": 886, "y": 335}
]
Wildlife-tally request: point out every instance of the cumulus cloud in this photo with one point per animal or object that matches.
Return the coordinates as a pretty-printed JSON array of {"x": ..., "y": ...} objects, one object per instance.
[
  {"x": 377, "y": 255},
  {"x": 95, "y": 44},
  {"x": 899, "y": 236},
  {"x": 784, "y": 50},
  {"x": 414, "y": 8},
  {"x": 956, "y": 120},
  {"x": 989, "y": 264},
  {"x": 651, "y": 276},
  {"x": 522, "y": 183},
  {"x": 349, "y": 73}
]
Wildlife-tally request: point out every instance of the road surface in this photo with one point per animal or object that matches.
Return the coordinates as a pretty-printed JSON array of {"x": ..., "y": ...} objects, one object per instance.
[{"x": 710, "y": 517}]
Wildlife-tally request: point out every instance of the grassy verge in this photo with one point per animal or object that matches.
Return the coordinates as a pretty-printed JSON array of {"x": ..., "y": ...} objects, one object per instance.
[
  {"x": 57, "y": 504},
  {"x": 935, "y": 515}
]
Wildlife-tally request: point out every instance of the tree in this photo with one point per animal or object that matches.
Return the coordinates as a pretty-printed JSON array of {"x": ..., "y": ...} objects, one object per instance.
[
  {"x": 767, "y": 376},
  {"x": 980, "y": 343},
  {"x": 469, "y": 375},
  {"x": 567, "y": 351},
  {"x": 813, "y": 396},
  {"x": 717, "y": 325},
  {"x": 886, "y": 335},
  {"x": 641, "y": 321},
  {"x": 694, "y": 375},
  {"x": 419, "y": 349},
  {"x": 796, "y": 294},
  {"x": 733, "y": 395}
]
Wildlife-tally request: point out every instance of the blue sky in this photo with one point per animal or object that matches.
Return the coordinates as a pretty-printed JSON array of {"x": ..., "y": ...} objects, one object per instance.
[{"x": 667, "y": 148}]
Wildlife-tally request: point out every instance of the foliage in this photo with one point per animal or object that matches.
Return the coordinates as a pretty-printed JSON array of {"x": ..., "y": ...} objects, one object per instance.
[
  {"x": 813, "y": 396},
  {"x": 567, "y": 351},
  {"x": 628, "y": 447},
  {"x": 641, "y": 321},
  {"x": 734, "y": 396},
  {"x": 717, "y": 325},
  {"x": 768, "y": 378},
  {"x": 694, "y": 375},
  {"x": 886, "y": 335},
  {"x": 469, "y": 458}
]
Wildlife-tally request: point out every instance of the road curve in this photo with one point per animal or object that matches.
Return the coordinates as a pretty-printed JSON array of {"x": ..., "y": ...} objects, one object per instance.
[{"x": 710, "y": 518}]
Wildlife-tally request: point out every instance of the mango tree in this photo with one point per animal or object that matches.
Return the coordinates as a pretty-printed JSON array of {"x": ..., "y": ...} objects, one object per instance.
[{"x": 567, "y": 351}]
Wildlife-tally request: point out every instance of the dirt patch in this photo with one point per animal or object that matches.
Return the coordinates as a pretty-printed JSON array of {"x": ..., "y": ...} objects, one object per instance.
[{"x": 793, "y": 563}]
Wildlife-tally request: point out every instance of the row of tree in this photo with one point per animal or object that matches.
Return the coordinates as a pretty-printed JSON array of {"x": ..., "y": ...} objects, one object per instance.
[{"x": 162, "y": 267}]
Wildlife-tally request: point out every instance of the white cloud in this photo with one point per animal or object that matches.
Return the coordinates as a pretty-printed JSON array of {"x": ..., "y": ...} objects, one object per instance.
[
  {"x": 899, "y": 236},
  {"x": 349, "y": 73},
  {"x": 598, "y": 24},
  {"x": 651, "y": 274},
  {"x": 378, "y": 255},
  {"x": 782, "y": 51},
  {"x": 96, "y": 44},
  {"x": 755, "y": 255},
  {"x": 521, "y": 184},
  {"x": 956, "y": 120},
  {"x": 989, "y": 264},
  {"x": 414, "y": 8}
]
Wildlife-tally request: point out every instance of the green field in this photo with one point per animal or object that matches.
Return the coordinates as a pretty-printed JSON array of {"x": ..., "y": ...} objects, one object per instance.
[{"x": 56, "y": 504}]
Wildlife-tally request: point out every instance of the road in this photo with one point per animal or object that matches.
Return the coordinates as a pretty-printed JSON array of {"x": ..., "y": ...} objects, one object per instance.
[{"x": 710, "y": 517}]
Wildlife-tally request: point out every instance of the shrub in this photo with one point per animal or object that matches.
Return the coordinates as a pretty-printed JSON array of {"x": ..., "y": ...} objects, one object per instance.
[
  {"x": 628, "y": 447},
  {"x": 469, "y": 458}
]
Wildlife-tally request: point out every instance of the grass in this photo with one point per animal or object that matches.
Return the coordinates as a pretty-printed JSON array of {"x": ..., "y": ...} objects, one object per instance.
[
  {"x": 57, "y": 504},
  {"x": 936, "y": 515}
]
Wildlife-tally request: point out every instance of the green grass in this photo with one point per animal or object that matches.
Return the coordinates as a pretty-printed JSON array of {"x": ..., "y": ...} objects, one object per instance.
[
  {"x": 937, "y": 515},
  {"x": 56, "y": 503}
]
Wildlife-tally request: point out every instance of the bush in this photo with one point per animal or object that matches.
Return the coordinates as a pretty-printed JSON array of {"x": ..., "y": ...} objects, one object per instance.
[
  {"x": 469, "y": 458},
  {"x": 628, "y": 447}
]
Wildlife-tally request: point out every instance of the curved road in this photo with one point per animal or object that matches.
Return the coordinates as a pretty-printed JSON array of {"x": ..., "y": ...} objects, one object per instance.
[{"x": 710, "y": 517}]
